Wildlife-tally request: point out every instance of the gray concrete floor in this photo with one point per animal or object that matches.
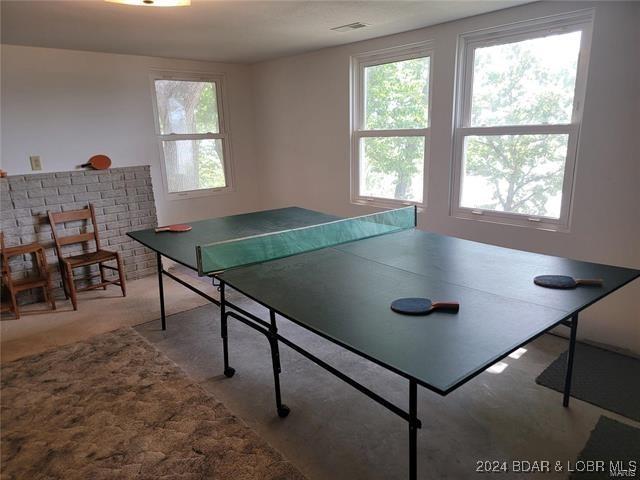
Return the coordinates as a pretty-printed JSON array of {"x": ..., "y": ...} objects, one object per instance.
[{"x": 335, "y": 432}]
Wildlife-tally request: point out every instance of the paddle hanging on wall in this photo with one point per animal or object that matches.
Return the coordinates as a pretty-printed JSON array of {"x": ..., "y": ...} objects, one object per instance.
[{"x": 97, "y": 162}]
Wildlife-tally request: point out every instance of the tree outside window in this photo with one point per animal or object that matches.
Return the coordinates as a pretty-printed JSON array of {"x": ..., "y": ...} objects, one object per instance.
[{"x": 190, "y": 133}]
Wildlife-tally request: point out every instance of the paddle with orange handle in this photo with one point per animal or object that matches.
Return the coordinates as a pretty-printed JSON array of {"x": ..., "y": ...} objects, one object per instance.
[
  {"x": 422, "y": 306},
  {"x": 174, "y": 228},
  {"x": 98, "y": 162},
  {"x": 564, "y": 282}
]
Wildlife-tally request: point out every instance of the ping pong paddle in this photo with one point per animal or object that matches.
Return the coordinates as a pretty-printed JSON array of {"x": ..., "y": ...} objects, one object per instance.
[
  {"x": 565, "y": 282},
  {"x": 180, "y": 227},
  {"x": 422, "y": 306},
  {"x": 98, "y": 162}
]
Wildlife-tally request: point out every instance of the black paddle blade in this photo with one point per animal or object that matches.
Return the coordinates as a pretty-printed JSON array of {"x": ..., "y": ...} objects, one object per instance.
[
  {"x": 555, "y": 281},
  {"x": 411, "y": 306}
]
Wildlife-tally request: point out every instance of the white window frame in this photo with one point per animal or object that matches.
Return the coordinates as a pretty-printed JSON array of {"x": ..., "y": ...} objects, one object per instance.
[
  {"x": 358, "y": 63},
  {"x": 218, "y": 79},
  {"x": 467, "y": 43}
]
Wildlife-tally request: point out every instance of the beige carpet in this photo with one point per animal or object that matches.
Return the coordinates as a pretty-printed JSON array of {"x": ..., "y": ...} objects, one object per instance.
[
  {"x": 99, "y": 311},
  {"x": 113, "y": 407}
]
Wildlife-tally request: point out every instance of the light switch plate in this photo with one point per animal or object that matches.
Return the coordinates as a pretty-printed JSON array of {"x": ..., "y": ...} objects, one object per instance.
[{"x": 36, "y": 163}]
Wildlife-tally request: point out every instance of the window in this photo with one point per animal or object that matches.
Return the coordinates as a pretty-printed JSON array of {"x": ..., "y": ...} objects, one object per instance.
[
  {"x": 520, "y": 94},
  {"x": 192, "y": 134},
  {"x": 390, "y": 125}
]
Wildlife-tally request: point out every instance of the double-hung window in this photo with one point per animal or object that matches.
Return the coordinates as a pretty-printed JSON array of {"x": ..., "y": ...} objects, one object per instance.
[
  {"x": 390, "y": 125},
  {"x": 193, "y": 134},
  {"x": 519, "y": 106}
]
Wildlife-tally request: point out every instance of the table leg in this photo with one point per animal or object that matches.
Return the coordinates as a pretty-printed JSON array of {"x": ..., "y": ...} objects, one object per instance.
[
  {"x": 161, "y": 289},
  {"x": 228, "y": 371},
  {"x": 283, "y": 410},
  {"x": 572, "y": 348},
  {"x": 413, "y": 430}
]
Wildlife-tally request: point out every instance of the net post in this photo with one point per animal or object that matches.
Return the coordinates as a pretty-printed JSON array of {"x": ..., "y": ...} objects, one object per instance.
[{"x": 199, "y": 260}]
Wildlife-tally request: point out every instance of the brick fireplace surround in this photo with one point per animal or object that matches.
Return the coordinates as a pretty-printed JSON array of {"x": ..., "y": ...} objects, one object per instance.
[{"x": 123, "y": 199}]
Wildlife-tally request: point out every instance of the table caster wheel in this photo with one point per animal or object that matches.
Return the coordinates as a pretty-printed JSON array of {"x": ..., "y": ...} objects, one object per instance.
[{"x": 283, "y": 411}]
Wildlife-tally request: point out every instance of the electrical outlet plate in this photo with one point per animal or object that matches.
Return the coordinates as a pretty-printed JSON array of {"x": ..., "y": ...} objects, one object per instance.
[{"x": 36, "y": 163}]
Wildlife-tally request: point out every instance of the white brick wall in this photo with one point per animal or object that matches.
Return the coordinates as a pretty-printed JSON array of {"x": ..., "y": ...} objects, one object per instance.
[{"x": 123, "y": 200}]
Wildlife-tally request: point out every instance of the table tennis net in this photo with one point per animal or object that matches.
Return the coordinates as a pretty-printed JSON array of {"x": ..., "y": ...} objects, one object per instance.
[{"x": 219, "y": 256}]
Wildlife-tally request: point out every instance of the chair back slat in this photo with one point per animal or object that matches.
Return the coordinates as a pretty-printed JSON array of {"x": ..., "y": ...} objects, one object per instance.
[
  {"x": 64, "y": 217},
  {"x": 78, "y": 238},
  {"x": 72, "y": 216}
]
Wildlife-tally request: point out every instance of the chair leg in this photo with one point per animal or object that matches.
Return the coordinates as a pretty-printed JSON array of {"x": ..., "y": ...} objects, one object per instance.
[
  {"x": 103, "y": 278},
  {"x": 63, "y": 274},
  {"x": 48, "y": 293},
  {"x": 72, "y": 286},
  {"x": 48, "y": 296},
  {"x": 14, "y": 304},
  {"x": 123, "y": 287}
]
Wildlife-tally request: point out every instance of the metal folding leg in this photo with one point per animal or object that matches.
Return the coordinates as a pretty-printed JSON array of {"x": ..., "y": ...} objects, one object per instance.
[
  {"x": 572, "y": 348},
  {"x": 161, "y": 289},
  {"x": 228, "y": 371},
  {"x": 413, "y": 430},
  {"x": 269, "y": 329},
  {"x": 283, "y": 410}
]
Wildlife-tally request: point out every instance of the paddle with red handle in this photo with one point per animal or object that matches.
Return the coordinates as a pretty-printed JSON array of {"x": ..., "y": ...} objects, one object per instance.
[
  {"x": 98, "y": 162},
  {"x": 180, "y": 227},
  {"x": 422, "y": 306},
  {"x": 565, "y": 282}
]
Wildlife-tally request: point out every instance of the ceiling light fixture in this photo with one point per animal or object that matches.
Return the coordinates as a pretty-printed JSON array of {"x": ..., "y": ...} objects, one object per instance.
[{"x": 153, "y": 3}]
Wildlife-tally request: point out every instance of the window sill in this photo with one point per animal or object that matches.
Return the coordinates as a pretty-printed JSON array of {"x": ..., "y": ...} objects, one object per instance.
[
  {"x": 537, "y": 223},
  {"x": 385, "y": 203},
  {"x": 208, "y": 192}
]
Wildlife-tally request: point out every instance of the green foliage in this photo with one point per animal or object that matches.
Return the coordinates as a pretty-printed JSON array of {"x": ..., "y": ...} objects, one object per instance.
[
  {"x": 523, "y": 171},
  {"x": 396, "y": 98},
  {"x": 210, "y": 170},
  {"x": 206, "y": 110},
  {"x": 209, "y": 154},
  {"x": 512, "y": 87},
  {"x": 191, "y": 107}
]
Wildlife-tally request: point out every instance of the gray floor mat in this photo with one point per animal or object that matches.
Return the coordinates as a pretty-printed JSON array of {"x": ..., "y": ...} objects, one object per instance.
[
  {"x": 603, "y": 378},
  {"x": 614, "y": 443}
]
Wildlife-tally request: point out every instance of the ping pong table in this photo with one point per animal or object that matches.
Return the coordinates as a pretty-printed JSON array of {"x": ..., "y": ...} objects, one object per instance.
[{"x": 337, "y": 278}]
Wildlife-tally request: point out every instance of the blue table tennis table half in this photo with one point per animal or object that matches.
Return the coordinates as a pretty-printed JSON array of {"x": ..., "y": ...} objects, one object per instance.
[{"x": 337, "y": 278}]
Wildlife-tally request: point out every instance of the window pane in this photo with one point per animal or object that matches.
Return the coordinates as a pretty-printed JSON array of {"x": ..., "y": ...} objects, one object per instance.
[
  {"x": 187, "y": 107},
  {"x": 514, "y": 173},
  {"x": 392, "y": 167},
  {"x": 525, "y": 83},
  {"x": 194, "y": 164},
  {"x": 397, "y": 95}
]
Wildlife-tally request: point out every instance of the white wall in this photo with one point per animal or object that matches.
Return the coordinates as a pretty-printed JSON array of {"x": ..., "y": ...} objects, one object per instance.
[
  {"x": 68, "y": 105},
  {"x": 293, "y": 113},
  {"x": 302, "y": 128}
]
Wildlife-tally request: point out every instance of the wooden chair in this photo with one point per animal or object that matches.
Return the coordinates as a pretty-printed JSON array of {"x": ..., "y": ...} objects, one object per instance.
[
  {"x": 99, "y": 256},
  {"x": 15, "y": 286}
]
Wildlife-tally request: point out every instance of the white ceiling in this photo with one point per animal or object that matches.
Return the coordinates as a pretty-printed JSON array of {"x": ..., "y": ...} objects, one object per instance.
[{"x": 226, "y": 31}]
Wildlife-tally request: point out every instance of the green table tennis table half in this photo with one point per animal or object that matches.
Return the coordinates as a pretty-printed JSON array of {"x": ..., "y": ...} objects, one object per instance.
[{"x": 337, "y": 278}]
